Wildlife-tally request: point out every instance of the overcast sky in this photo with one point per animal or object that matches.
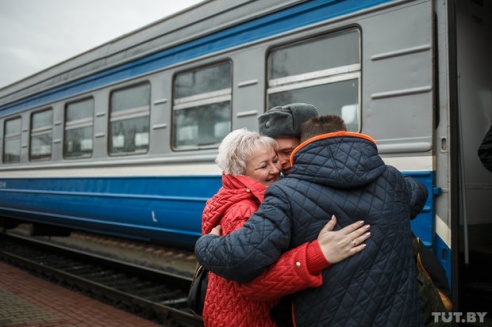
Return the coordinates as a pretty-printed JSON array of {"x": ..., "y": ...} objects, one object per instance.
[{"x": 37, "y": 34}]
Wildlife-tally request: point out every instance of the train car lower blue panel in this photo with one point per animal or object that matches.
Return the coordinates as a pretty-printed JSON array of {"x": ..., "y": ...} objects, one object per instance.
[{"x": 164, "y": 209}]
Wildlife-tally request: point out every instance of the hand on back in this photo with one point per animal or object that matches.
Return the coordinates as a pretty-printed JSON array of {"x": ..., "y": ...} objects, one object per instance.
[{"x": 339, "y": 245}]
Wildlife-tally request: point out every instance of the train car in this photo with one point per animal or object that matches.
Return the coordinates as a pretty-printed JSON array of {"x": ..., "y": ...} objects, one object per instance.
[{"x": 122, "y": 139}]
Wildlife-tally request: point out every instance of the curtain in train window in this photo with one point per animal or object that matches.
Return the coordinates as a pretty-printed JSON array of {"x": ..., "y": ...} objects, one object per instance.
[
  {"x": 12, "y": 140},
  {"x": 41, "y": 135},
  {"x": 202, "y": 107},
  {"x": 323, "y": 71},
  {"x": 79, "y": 129},
  {"x": 130, "y": 120}
]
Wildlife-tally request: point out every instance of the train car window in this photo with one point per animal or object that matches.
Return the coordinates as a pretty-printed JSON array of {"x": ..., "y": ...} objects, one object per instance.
[
  {"x": 324, "y": 71},
  {"x": 130, "y": 120},
  {"x": 202, "y": 107},
  {"x": 12, "y": 140},
  {"x": 41, "y": 135},
  {"x": 79, "y": 129}
]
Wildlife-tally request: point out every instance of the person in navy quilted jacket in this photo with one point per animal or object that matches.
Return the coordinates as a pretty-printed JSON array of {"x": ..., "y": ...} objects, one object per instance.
[
  {"x": 250, "y": 164},
  {"x": 334, "y": 172}
]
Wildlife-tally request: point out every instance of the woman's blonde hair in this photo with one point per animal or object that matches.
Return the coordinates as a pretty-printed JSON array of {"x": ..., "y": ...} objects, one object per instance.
[{"x": 237, "y": 147}]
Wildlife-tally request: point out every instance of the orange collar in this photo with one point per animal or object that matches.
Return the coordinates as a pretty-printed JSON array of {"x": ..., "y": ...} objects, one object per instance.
[{"x": 326, "y": 136}]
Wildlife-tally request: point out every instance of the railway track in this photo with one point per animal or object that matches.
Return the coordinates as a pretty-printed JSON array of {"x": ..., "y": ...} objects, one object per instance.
[{"x": 153, "y": 294}]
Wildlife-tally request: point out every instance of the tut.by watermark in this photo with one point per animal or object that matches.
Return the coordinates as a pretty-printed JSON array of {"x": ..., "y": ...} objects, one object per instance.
[{"x": 463, "y": 317}]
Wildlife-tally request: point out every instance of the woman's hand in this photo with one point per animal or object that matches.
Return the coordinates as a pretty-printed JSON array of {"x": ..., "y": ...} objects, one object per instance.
[
  {"x": 217, "y": 230},
  {"x": 339, "y": 245}
]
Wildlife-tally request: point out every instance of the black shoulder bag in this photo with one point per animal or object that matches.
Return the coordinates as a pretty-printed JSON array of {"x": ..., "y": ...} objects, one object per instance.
[{"x": 198, "y": 288}]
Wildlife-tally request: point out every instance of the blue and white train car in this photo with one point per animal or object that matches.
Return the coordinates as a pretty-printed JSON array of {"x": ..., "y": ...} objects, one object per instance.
[{"x": 122, "y": 139}]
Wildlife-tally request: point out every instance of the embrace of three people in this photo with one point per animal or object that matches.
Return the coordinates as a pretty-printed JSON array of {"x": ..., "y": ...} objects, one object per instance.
[{"x": 329, "y": 244}]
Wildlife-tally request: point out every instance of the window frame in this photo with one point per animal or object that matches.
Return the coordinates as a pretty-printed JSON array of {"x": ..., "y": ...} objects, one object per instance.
[
  {"x": 128, "y": 115},
  {"x": 33, "y": 132},
  {"x": 12, "y": 137},
  {"x": 78, "y": 124},
  {"x": 350, "y": 71},
  {"x": 202, "y": 99}
]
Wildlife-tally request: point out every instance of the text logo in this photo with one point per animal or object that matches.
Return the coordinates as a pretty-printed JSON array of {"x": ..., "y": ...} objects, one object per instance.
[{"x": 462, "y": 317}]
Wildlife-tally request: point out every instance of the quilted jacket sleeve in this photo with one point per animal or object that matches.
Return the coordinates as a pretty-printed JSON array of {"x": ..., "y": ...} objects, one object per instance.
[
  {"x": 418, "y": 195},
  {"x": 289, "y": 274},
  {"x": 247, "y": 252}
]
